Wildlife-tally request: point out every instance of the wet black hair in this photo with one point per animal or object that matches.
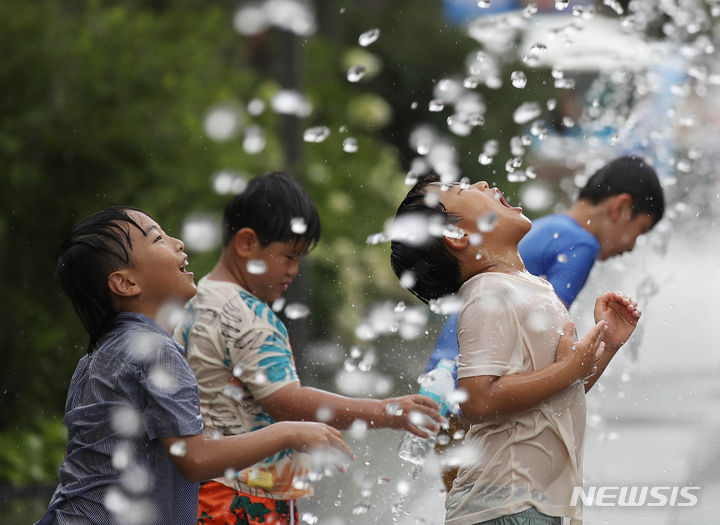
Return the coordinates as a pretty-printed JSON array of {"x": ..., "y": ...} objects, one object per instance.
[
  {"x": 435, "y": 269},
  {"x": 96, "y": 247},
  {"x": 628, "y": 174},
  {"x": 268, "y": 205}
]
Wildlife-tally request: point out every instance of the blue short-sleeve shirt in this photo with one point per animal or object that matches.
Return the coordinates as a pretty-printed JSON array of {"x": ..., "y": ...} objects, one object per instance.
[
  {"x": 133, "y": 389},
  {"x": 562, "y": 251}
]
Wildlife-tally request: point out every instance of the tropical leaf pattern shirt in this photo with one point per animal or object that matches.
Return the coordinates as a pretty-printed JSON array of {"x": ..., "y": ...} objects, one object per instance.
[{"x": 240, "y": 353}]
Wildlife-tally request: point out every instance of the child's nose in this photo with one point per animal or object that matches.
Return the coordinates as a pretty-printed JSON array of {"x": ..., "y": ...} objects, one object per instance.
[
  {"x": 180, "y": 244},
  {"x": 481, "y": 185}
]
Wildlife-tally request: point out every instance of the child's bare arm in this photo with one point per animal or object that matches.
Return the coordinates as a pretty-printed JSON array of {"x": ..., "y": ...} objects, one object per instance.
[
  {"x": 301, "y": 403},
  {"x": 492, "y": 396},
  {"x": 200, "y": 459},
  {"x": 621, "y": 314}
]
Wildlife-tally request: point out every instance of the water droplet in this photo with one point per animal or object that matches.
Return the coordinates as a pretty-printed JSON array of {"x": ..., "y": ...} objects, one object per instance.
[
  {"x": 453, "y": 232},
  {"x": 254, "y": 140},
  {"x": 561, "y": 5},
  {"x": 256, "y": 266},
  {"x": 457, "y": 396},
  {"x": 228, "y": 182},
  {"x": 533, "y": 56},
  {"x": 530, "y": 10},
  {"x": 551, "y": 104},
  {"x": 361, "y": 508},
  {"x": 407, "y": 279},
  {"x": 356, "y": 73},
  {"x": 238, "y": 370},
  {"x": 256, "y": 107},
  {"x": 222, "y": 123},
  {"x": 358, "y": 429},
  {"x": 121, "y": 456},
  {"x": 350, "y": 145},
  {"x": 316, "y": 134},
  {"x": 278, "y": 304},
  {"x": 298, "y": 225},
  {"x": 309, "y": 518},
  {"x": 487, "y": 222},
  {"x": 393, "y": 409},
  {"x": 562, "y": 258},
  {"x": 526, "y": 111},
  {"x": 436, "y": 105},
  {"x": 376, "y": 238},
  {"x": 179, "y": 448},
  {"x": 518, "y": 79},
  {"x": 368, "y": 37},
  {"x": 483, "y": 4},
  {"x": 291, "y": 102},
  {"x": 201, "y": 233},
  {"x": 296, "y": 311},
  {"x": 485, "y": 159},
  {"x": 324, "y": 414},
  {"x": 162, "y": 379}
]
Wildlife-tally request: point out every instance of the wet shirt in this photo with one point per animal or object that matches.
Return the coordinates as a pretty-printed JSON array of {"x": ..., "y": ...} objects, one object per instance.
[
  {"x": 559, "y": 249},
  {"x": 240, "y": 353},
  {"x": 509, "y": 324},
  {"x": 133, "y": 389}
]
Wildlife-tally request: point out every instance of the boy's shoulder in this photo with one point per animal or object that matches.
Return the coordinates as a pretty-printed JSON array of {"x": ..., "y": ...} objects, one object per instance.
[
  {"x": 558, "y": 228},
  {"x": 236, "y": 306}
]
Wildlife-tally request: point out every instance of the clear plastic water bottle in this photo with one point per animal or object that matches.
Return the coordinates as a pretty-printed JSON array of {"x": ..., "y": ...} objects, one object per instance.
[{"x": 436, "y": 384}]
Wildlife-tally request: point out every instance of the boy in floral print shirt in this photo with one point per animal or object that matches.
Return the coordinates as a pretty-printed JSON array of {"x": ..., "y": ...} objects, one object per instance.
[{"x": 241, "y": 355}]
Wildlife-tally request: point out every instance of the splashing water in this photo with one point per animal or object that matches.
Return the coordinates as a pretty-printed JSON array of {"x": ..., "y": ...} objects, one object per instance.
[
  {"x": 368, "y": 37},
  {"x": 350, "y": 145},
  {"x": 518, "y": 79},
  {"x": 256, "y": 266},
  {"x": 222, "y": 123},
  {"x": 298, "y": 225},
  {"x": 316, "y": 134},
  {"x": 201, "y": 233},
  {"x": 526, "y": 112},
  {"x": 487, "y": 222},
  {"x": 290, "y": 102},
  {"x": 355, "y": 73},
  {"x": 296, "y": 311}
]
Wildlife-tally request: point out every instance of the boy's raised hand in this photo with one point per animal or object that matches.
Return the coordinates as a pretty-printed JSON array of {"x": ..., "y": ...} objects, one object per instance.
[
  {"x": 409, "y": 413},
  {"x": 307, "y": 435},
  {"x": 582, "y": 355},
  {"x": 621, "y": 314}
]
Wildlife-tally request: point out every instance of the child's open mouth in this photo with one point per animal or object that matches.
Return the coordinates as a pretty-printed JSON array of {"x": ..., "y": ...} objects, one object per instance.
[
  {"x": 183, "y": 266},
  {"x": 501, "y": 198}
]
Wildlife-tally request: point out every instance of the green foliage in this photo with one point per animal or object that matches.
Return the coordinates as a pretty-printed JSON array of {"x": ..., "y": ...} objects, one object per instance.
[{"x": 32, "y": 454}]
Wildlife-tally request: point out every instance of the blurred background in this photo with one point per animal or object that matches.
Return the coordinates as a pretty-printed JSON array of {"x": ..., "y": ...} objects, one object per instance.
[{"x": 172, "y": 106}]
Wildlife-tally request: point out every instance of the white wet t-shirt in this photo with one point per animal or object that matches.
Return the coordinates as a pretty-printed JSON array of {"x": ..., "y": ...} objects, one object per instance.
[{"x": 511, "y": 323}]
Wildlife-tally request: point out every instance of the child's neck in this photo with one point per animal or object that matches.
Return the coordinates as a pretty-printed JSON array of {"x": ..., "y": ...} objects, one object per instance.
[
  {"x": 225, "y": 270},
  {"x": 504, "y": 262},
  {"x": 587, "y": 215}
]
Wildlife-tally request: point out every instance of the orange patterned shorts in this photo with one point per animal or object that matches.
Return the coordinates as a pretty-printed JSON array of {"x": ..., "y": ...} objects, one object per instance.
[{"x": 221, "y": 505}]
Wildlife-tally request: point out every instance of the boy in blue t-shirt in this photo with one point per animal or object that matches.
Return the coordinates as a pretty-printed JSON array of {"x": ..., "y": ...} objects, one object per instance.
[{"x": 135, "y": 448}]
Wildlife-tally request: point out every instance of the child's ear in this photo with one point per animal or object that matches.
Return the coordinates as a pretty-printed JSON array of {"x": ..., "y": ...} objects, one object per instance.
[
  {"x": 455, "y": 244},
  {"x": 245, "y": 241},
  {"x": 122, "y": 284},
  {"x": 620, "y": 207}
]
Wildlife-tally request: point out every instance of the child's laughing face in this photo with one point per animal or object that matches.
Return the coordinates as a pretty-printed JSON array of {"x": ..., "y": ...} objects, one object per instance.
[
  {"x": 478, "y": 204},
  {"x": 158, "y": 263}
]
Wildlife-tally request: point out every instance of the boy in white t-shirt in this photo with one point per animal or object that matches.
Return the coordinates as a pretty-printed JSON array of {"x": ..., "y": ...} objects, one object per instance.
[{"x": 525, "y": 378}]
